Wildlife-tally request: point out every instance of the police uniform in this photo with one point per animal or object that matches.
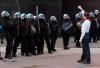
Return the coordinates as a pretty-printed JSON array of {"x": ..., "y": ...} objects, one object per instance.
[
  {"x": 54, "y": 28},
  {"x": 65, "y": 30},
  {"x": 1, "y": 32},
  {"x": 17, "y": 40},
  {"x": 44, "y": 33},
  {"x": 97, "y": 18},
  {"x": 9, "y": 33},
  {"x": 23, "y": 32},
  {"x": 78, "y": 29},
  {"x": 37, "y": 35},
  {"x": 93, "y": 27},
  {"x": 30, "y": 35}
]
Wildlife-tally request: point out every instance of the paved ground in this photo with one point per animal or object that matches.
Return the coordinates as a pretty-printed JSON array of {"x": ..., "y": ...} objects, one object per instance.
[
  {"x": 59, "y": 43},
  {"x": 60, "y": 59}
]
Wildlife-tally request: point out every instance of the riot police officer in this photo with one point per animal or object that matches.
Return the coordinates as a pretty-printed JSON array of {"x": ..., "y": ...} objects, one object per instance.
[
  {"x": 78, "y": 23},
  {"x": 65, "y": 30},
  {"x": 8, "y": 27},
  {"x": 23, "y": 32},
  {"x": 97, "y": 18},
  {"x": 44, "y": 33},
  {"x": 31, "y": 33},
  {"x": 1, "y": 33},
  {"x": 93, "y": 27},
  {"x": 17, "y": 41},
  {"x": 37, "y": 35},
  {"x": 54, "y": 28}
]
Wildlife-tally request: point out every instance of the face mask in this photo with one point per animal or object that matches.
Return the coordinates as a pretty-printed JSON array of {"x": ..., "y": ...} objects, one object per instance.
[{"x": 83, "y": 18}]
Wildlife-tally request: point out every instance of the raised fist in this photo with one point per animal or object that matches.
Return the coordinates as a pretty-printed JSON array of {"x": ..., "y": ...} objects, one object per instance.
[{"x": 79, "y": 7}]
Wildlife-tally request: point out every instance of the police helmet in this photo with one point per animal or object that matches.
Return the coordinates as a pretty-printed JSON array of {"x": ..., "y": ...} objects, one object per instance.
[
  {"x": 23, "y": 16},
  {"x": 96, "y": 12},
  {"x": 81, "y": 14},
  {"x": 66, "y": 16},
  {"x": 78, "y": 15},
  {"x": 30, "y": 16},
  {"x": 41, "y": 16},
  {"x": 91, "y": 14},
  {"x": 5, "y": 13},
  {"x": 17, "y": 15},
  {"x": 53, "y": 18}
]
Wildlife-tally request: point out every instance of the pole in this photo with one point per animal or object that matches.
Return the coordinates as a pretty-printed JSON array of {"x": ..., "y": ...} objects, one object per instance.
[{"x": 37, "y": 17}]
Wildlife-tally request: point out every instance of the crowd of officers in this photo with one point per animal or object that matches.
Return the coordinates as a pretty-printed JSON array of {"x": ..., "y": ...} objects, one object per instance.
[
  {"x": 94, "y": 29},
  {"x": 31, "y": 32}
]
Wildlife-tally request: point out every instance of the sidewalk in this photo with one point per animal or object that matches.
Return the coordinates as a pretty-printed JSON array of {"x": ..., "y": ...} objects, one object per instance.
[{"x": 60, "y": 59}]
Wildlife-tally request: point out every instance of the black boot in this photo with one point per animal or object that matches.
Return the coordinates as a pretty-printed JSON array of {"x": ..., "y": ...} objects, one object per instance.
[{"x": 8, "y": 56}]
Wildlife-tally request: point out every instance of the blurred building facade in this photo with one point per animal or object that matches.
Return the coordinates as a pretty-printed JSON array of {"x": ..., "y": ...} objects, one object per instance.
[{"x": 49, "y": 7}]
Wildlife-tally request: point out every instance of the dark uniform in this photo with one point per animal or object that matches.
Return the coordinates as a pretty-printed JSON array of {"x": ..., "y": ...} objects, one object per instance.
[
  {"x": 97, "y": 18},
  {"x": 9, "y": 35},
  {"x": 98, "y": 37},
  {"x": 17, "y": 39},
  {"x": 23, "y": 32},
  {"x": 54, "y": 28},
  {"x": 98, "y": 27},
  {"x": 37, "y": 35},
  {"x": 1, "y": 32},
  {"x": 93, "y": 29},
  {"x": 78, "y": 32},
  {"x": 44, "y": 34},
  {"x": 66, "y": 32},
  {"x": 30, "y": 37}
]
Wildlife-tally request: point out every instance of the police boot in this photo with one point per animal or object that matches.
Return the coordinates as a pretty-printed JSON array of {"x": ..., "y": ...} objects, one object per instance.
[
  {"x": 34, "y": 53},
  {"x": 27, "y": 54},
  {"x": 8, "y": 56},
  {"x": 66, "y": 48},
  {"x": 49, "y": 52},
  {"x": 14, "y": 55},
  {"x": 1, "y": 42}
]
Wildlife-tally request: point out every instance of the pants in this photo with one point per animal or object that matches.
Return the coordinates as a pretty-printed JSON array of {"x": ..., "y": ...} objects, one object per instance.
[
  {"x": 86, "y": 50},
  {"x": 98, "y": 34},
  {"x": 1, "y": 37},
  {"x": 37, "y": 42},
  {"x": 24, "y": 45},
  {"x": 31, "y": 44},
  {"x": 17, "y": 41},
  {"x": 47, "y": 39},
  {"x": 53, "y": 37},
  {"x": 93, "y": 35},
  {"x": 9, "y": 47},
  {"x": 77, "y": 36},
  {"x": 65, "y": 39}
]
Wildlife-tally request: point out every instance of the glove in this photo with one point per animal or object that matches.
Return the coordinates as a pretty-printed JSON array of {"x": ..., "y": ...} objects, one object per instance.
[{"x": 79, "y": 7}]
